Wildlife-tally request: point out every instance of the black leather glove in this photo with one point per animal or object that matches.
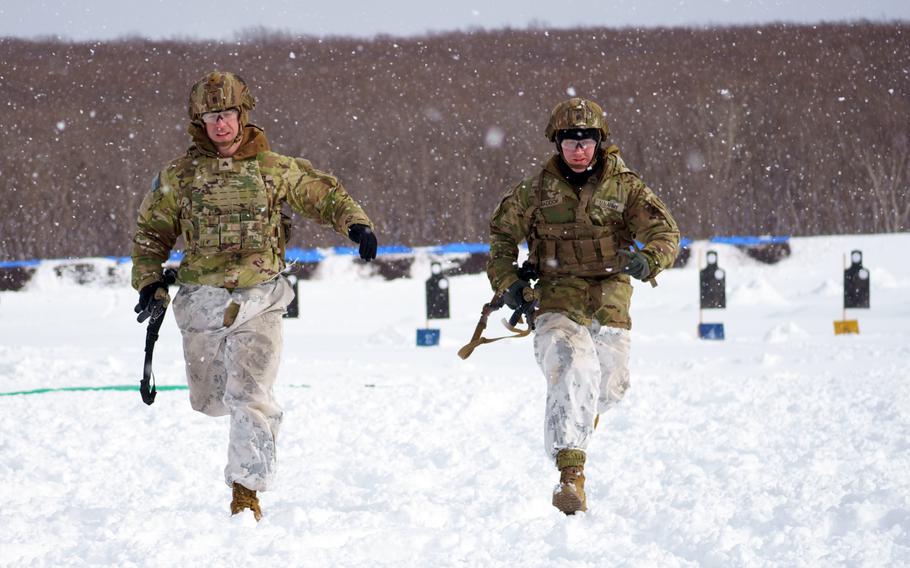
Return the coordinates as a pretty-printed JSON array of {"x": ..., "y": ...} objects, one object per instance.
[
  {"x": 364, "y": 236},
  {"x": 152, "y": 302},
  {"x": 635, "y": 264},
  {"x": 514, "y": 295}
]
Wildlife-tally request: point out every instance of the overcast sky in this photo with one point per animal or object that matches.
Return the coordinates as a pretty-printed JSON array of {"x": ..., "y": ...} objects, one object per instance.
[{"x": 158, "y": 19}]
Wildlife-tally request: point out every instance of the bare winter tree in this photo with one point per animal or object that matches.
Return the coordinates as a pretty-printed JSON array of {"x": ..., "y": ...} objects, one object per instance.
[{"x": 887, "y": 169}]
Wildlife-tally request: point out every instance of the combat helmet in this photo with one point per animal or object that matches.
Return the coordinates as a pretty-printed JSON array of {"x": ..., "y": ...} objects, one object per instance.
[
  {"x": 220, "y": 91},
  {"x": 577, "y": 113}
]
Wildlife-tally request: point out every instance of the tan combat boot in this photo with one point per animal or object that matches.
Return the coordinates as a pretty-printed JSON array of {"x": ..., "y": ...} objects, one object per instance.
[
  {"x": 245, "y": 499},
  {"x": 569, "y": 495}
]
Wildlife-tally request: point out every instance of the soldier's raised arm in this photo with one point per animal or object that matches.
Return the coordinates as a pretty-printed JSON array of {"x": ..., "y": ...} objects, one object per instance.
[{"x": 319, "y": 196}]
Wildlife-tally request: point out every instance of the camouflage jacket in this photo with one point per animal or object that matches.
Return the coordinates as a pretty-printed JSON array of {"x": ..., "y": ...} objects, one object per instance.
[
  {"x": 228, "y": 210},
  {"x": 618, "y": 207}
]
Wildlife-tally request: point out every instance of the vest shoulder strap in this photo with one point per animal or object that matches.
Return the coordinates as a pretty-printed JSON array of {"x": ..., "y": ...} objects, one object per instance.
[{"x": 584, "y": 199}]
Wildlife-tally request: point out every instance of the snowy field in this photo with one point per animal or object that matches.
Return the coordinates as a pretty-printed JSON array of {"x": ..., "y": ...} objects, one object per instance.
[{"x": 783, "y": 445}]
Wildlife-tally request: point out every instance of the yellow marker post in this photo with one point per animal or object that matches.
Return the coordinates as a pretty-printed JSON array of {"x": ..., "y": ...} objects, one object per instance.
[{"x": 846, "y": 326}]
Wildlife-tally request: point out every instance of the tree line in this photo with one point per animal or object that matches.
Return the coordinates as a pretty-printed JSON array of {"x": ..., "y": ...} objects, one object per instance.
[{"x": 775, "y": 129}]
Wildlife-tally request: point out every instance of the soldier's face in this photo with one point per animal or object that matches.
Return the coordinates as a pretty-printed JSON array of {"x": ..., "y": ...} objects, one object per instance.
[
  {"x": 223, "y": 130},
  {"x": 578, "y": 153}
]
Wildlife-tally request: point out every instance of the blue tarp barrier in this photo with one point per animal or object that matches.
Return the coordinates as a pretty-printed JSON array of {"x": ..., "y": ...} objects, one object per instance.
[
  {"x": 19, "y": 263},
  {"x": 314, "y": 255},
  {"x": 390, "y": 249},
  {"x": 394, "y": 249},
  {"x": 303, "y": 255},
  {"x": 454, "y": 248},
  {"x": 749, "y": 241}
]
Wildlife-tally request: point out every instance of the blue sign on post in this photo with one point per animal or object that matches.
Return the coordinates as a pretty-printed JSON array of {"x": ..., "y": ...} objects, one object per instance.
[
  {"x": 711, "y": 331},
  {"x": 427, "y": 337}
]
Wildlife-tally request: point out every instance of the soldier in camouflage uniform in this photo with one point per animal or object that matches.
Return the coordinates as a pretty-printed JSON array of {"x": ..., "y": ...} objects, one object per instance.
[
  {"x": 580, "y": 215},
  {"x": 224, "y": 197}
]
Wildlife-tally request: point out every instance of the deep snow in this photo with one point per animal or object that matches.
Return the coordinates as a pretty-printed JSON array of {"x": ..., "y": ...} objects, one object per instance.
[{"x": 783, "y": 445}]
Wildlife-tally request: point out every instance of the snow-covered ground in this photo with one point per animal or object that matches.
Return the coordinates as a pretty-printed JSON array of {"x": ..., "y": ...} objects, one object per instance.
[{"x": 783, "y": 445}]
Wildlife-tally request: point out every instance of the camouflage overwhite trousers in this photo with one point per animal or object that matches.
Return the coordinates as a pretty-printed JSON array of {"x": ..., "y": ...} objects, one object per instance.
[
  {"x": 231, "y": 369},
  {"x": 587, "y": 372}
]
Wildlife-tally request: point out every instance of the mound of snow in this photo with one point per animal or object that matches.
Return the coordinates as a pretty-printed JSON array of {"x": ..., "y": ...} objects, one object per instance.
[
  {"x": 758, "y": 291},
  {"x": 785, "y": 333}
]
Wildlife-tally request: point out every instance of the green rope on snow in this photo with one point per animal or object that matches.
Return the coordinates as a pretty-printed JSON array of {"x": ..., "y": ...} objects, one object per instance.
[{"x": 71, "y": 389}]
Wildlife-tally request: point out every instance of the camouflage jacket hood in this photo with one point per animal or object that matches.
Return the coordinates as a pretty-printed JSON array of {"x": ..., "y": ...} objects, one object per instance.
[{"x": 252, "y": 143}]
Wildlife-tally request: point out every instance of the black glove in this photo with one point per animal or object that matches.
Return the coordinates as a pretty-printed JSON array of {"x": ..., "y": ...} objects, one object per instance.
[
  {"x": 635, "y": 264},
  {"x": 514, "y": 295},
  {"x": 365, "y": 237},
  {"x": 151, "y": 302}
]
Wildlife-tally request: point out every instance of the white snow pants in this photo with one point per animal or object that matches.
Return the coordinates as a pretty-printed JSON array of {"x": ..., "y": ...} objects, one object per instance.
[
  {"x": 587, "y": 372},
  {"x": 231, "y": 370}
]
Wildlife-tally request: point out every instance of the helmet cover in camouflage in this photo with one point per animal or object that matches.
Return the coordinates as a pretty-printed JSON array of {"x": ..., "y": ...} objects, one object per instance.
[
  {"x": 577, "y": 113},
  {"x": 219, "y": 91}
]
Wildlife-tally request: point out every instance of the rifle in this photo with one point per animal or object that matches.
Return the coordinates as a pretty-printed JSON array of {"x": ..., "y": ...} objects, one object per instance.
[{"x": 155, "y": 315}]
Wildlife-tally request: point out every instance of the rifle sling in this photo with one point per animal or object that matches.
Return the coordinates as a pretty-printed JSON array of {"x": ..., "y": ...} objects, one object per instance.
[{"x": 477, "y": 339}]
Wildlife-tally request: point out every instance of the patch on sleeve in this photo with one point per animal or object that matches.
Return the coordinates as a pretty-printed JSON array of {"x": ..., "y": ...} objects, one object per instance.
[
  {"x": 610, "y": 204},
  {"x": 156, "y": 181},
  {"x": 656, "y": 209}
]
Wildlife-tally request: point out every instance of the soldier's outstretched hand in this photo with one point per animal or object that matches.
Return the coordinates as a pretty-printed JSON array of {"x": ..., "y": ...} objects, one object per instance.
[{"x": 366, "y": 238}]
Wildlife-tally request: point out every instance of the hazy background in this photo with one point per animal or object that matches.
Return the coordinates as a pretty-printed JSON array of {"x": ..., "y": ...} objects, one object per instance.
[{"x": 159, "y": 19}]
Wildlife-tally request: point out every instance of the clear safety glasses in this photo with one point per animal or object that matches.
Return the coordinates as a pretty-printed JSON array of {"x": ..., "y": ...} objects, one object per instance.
[
  {"x": 571, "y": 144},
  {"x": 225, "y": 115}
]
